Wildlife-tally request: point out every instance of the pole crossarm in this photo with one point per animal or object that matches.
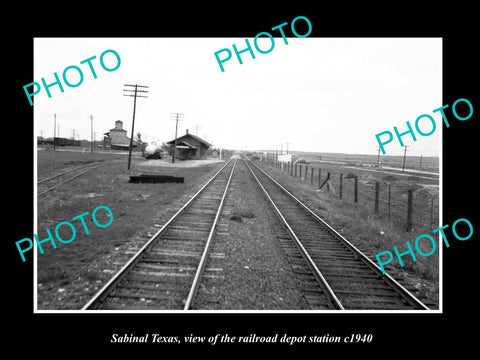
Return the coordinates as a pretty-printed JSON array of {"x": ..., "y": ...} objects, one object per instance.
[
  {"x": 134, "y": 90},
  {"x": 142, "y": 86}
]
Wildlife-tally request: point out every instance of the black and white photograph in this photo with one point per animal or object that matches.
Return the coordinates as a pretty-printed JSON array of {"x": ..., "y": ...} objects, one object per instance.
[
  {"x": 282, "y": 207},
  {"x": 207, "y": 181}
]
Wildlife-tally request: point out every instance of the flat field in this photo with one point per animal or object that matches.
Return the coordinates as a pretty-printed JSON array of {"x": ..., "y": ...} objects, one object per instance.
[
  {"x": 424, "y": 163},
  {"x": 70, "y": 274}
]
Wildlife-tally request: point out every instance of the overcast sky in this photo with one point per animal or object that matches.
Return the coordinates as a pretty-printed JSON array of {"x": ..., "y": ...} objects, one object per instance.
[{"x": 317, "y": 94}]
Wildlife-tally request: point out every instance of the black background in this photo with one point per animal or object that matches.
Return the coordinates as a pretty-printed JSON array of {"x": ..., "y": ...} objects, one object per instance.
[{"x": 62, "y": 335}]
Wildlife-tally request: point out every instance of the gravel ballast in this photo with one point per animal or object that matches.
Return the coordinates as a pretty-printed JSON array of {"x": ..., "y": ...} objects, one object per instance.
[{"x": 255, "y": 273}]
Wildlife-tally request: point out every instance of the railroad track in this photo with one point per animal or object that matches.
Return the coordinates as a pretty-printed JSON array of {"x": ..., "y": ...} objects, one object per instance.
[
  {"x": 166, "y": 272},
  {"x": 349, "y": 279},
  {"x": 55, "y": 181}
]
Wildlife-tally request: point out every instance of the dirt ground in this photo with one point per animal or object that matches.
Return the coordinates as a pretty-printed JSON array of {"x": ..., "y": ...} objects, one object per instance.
[
  {"x": 67, "y": 276},
  {"x": 179, "y": 163}
]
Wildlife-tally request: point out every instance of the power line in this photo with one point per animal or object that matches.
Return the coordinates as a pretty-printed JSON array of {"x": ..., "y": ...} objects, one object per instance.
[{"x": 135, "y": 95}]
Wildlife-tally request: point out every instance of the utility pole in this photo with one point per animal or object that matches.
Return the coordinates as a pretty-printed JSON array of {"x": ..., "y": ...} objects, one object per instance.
[
  {"x": 404, "y": 156},
  {"x": 176, "y": 128},
  {"x": 91, "y": 133},
  {"x": 421, "y": 155},
  {"x": 378, "y": 157},
  {"x": 54, "y": 130},
  {"x": 135, "y": 95},
  {"x": 196, "y": 129}
]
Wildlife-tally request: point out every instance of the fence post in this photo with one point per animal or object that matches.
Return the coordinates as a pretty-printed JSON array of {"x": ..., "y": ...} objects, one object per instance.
[
  {"x": 389, "y": 193},
  {"x": 340, "y": 190},
  {"x": 295, "y": 170},
  {"x": 300, "y": 171},
  {"x": 431, "y": 214},
  {"x": 377, "y": 192},
  {"x": 319, "y": 177},
  {"x": 409, "y": 210},
  {"x": 355, "y": 189},
  {"x": 306, "y": 172},
  {"x": 311, "y": 177}
]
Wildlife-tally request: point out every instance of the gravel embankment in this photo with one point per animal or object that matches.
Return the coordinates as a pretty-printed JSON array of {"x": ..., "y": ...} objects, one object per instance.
[{"x": 255, "y": 273}]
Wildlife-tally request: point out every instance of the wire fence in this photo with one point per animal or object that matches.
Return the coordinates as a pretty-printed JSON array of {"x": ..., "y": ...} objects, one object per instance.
[{"x": 406, "y": 202}]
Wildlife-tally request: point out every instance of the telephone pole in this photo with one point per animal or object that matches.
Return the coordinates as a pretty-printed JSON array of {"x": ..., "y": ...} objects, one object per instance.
[
  {"x": 196, "y": 129},
  {"x": 91, "y": 133},
  {"x": 378, "y": 157},
  {"x": 135, "y": 95},
  {"x": 404, "y": 156},
  {"x": 54, "y": 130},
  {"x": 176, "y": 128}
]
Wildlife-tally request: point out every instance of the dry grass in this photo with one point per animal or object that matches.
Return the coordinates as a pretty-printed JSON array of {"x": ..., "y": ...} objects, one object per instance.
[
  {"x": 71, "y": 273},
  {"x": 372, "y": 233}
]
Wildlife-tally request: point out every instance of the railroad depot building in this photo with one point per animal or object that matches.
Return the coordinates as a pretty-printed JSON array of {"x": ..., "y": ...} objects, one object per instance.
[
  {"x": 117, "y": 139},
  {"x": 190, "y": 147}
]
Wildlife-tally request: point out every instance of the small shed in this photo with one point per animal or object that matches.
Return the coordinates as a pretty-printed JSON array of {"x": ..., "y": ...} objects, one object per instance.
[{"x": 190, "y": 147}]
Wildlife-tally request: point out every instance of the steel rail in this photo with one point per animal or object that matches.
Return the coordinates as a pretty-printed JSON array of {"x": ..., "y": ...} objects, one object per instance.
[
  {"x": 402, "y": 291},
  {"x": 63, "y": 182},
  {"x": 104, "y": 291},
  {"x": 311, "y": 264},
  {"x": 66, "y": 172},
  {"x": 203, "y": 260},
  {"x": 69, "y": 179}
]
